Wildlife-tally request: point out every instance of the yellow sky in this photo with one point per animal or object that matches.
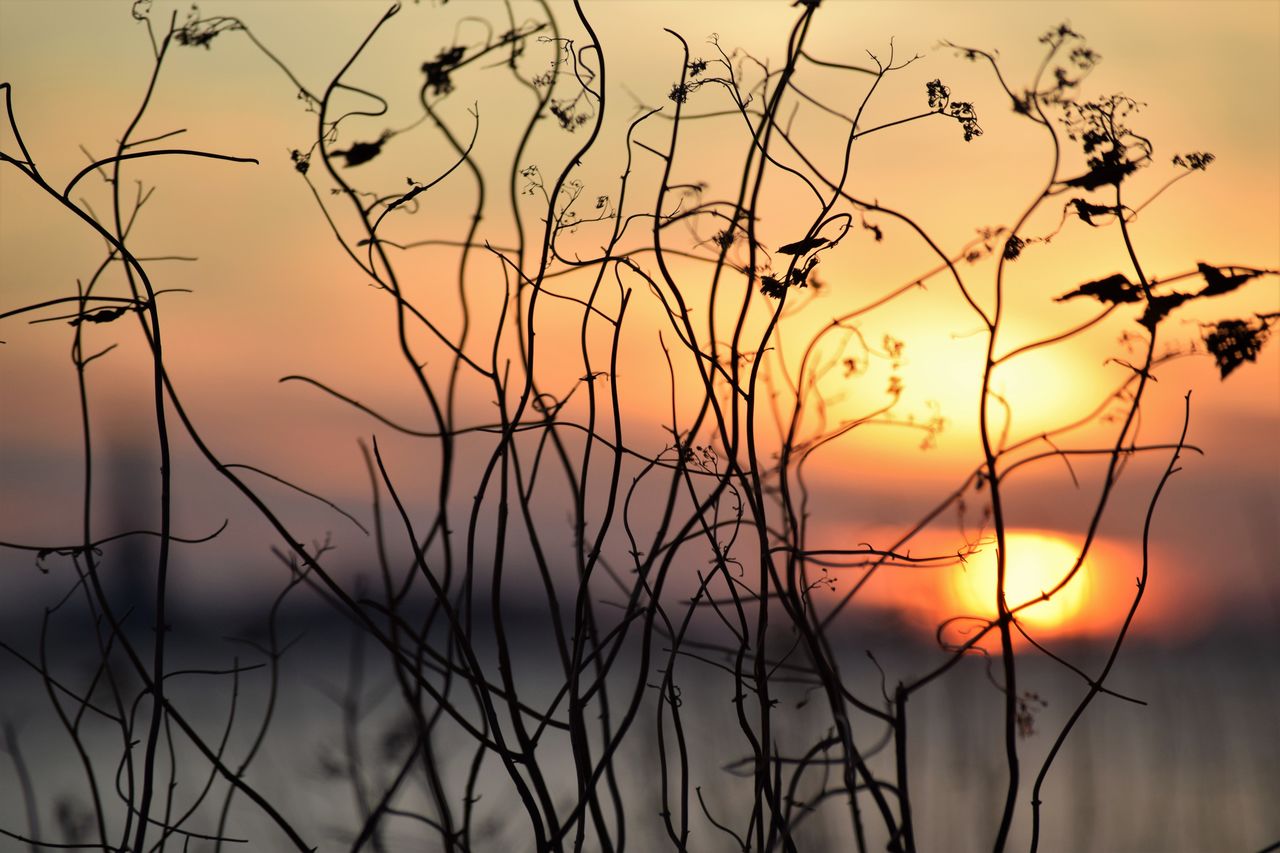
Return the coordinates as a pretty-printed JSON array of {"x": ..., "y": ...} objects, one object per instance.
[{"x": 273, "y": 295}]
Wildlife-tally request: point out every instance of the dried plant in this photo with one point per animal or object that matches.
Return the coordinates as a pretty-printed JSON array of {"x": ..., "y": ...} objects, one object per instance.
[{"x": 652, "y": 569}]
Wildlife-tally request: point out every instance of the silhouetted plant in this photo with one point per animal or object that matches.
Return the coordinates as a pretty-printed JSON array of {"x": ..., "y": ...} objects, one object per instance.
[{"x": 698, "y": 554}]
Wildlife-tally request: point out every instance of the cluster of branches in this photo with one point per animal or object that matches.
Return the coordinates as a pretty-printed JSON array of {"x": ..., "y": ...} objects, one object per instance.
[{"x": 693, "y": 560}]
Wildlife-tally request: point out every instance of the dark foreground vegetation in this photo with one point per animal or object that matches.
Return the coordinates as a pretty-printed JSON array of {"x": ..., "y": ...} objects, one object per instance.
[{"x": 587, "y": 604}]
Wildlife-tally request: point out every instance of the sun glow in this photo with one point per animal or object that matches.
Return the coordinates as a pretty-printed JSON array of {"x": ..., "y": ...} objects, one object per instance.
[{"x": 1037, "y": 562}]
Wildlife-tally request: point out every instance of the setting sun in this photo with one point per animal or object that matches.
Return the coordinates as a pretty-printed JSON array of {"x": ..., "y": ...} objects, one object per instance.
[{"x": 1037, "y": 562}]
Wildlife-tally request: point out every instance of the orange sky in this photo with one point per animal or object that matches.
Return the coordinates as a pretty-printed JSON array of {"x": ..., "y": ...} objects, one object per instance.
[{"x": 274, "y": 296}]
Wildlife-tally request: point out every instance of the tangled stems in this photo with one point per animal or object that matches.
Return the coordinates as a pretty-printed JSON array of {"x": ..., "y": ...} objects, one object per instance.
[{"x": 661, "y": 571}]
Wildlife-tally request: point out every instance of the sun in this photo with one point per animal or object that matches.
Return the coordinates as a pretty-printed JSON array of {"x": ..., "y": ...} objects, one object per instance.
[{"x": 1037, "y": 562}]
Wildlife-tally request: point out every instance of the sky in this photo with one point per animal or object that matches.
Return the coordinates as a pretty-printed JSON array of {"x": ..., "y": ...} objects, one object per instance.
[{"x": 272, "y": 295}]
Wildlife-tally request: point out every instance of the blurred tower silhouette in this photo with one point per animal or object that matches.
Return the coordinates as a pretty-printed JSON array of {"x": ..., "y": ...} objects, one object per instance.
[{"x": 131, "y": 503}]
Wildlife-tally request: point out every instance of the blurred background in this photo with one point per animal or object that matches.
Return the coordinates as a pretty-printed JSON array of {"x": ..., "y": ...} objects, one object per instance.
[{"x": 273, "y": 295}]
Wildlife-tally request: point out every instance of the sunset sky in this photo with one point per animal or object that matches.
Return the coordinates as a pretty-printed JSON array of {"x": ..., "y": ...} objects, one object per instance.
[{"x": 273, "y": 295}]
